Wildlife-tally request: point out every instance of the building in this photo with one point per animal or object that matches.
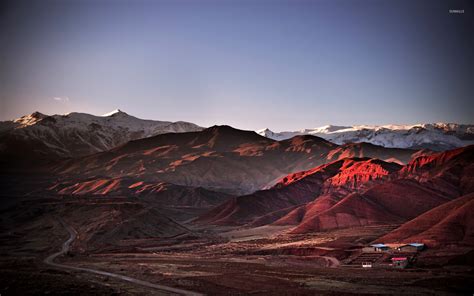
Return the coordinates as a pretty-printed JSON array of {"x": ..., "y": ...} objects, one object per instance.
[
  {"x": 418, "y": 246},
  {"x": 412, "y": 247},
  {"x": 379, "y": 247},
  {"x": 394, "y": 246}
]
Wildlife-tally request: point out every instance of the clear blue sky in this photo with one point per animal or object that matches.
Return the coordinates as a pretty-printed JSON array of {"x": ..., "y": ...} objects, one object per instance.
[{"x": 250, "y": 64}]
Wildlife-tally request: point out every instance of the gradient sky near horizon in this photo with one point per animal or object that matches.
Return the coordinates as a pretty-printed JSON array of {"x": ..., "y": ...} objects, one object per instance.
[{"x": 284, "y": 65}]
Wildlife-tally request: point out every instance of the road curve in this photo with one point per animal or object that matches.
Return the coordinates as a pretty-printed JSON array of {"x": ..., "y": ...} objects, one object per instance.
[
  {"x": 331, "y": 261},
  {"x": 65, "y": 248}
]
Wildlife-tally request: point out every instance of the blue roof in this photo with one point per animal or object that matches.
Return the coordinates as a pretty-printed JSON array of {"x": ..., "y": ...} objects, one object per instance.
[
  {"x": 379, "y": 246},
  {"x": 416, "y": 244}
]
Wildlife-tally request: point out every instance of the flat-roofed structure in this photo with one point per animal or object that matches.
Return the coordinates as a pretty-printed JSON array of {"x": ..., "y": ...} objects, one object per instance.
[
  {"x": 412, "y": 247},
  {"x": 380, "y": 247}
]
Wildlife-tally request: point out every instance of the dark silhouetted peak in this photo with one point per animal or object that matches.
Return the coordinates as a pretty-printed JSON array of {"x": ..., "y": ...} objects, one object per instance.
[
  {"x": 222, "y": 128},
  {"x": 308, "y": 138},
  {"x": 38, "y": 115},
  {"x": 307, "y": 143},
  {"x": 224, "y": 137}
]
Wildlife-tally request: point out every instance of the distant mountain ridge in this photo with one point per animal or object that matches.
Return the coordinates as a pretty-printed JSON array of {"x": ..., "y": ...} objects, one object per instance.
[
  {"x": 434, "y": 136},
  {"x": 38, "y": 136}
]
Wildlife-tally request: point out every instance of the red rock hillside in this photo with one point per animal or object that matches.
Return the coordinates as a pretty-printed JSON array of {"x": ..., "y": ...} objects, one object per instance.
[
  {"x": 340, "y": 176},
  {"x": 389, "y": 203},
  {"x": 451, "y": 222},
  {"x": 423, "y": 184}
]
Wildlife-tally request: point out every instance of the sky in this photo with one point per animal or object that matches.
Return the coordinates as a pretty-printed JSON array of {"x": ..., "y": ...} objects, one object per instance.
[{"x": 284, "y": 65}]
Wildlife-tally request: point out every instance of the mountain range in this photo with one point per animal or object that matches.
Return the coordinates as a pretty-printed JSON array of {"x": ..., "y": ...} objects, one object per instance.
[
  {"x": 38, "y": 136},
  {"x": 434, "y": 136},
  {"x": 220, "y": 158},
  {"x": 41, "y": 137}
]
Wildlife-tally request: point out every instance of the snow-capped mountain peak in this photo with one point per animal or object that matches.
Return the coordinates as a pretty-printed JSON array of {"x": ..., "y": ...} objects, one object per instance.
[
  {"x": 266, "y": 133},
  {"x": 77, "y": 134},
  {"x": 436, "y": 136},
  {"x": 328, "y": 129},
  {"x": 114, "y": 112}
]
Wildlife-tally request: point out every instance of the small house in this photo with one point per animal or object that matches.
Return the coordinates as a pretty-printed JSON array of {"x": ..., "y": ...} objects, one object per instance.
[
  {"x": 400, "y": 262},
  {"x": 380, "y": 247},
  {"x": 418, "y": 246},
  {"x": 394, "y": 246},
  {"x": 412, "y": 247}
]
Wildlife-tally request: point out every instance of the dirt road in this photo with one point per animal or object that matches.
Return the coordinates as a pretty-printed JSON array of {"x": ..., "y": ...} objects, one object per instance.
[
  {"x": 65, "y": 248},
  {"x": 331, "y": 261}
]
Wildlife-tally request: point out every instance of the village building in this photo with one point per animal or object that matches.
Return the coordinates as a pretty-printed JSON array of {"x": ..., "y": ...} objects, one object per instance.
[
  {"x": 394, "y": 246},
  {"x": 413, "y": 247},
  {"x": 397, "y": 255},
  {"x": 376, "y": 248}
]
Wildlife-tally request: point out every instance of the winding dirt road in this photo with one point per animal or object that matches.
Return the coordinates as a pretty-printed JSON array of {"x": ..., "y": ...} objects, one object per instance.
[
  {"x": 331, "y": 261},
  {"x": 65, "y": 248}
]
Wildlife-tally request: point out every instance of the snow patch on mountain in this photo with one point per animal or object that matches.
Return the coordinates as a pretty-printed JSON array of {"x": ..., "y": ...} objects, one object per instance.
[
  {"x": 436, "y": 136},
  {"x": 77, "y": 134},
  {"x": 116, "y": 111}
]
